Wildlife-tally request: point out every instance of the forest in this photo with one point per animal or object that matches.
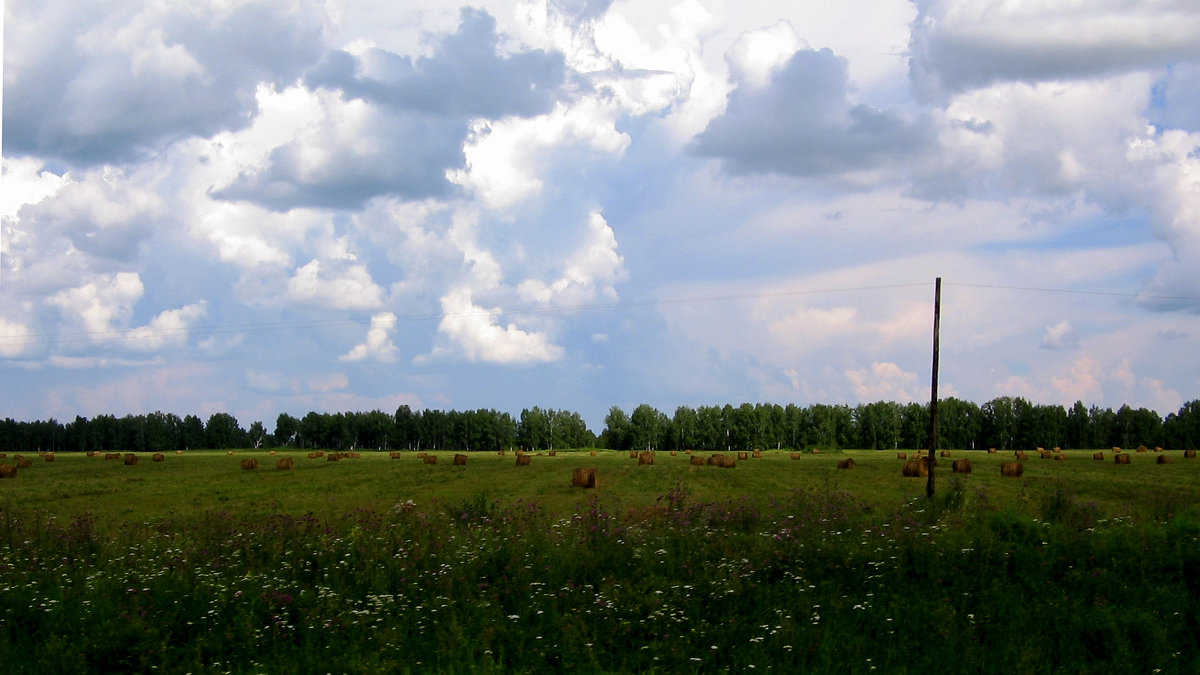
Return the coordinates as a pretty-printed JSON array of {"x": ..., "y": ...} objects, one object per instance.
[{"x": 1003, "y": 423}]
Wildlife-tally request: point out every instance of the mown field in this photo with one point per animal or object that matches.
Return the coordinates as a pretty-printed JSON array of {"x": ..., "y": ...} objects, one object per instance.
[{"x": 376, "y": 564}]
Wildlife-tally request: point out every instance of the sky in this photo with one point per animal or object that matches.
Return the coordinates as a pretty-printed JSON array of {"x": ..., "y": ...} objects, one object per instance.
[{"x": 282, "y": 206}]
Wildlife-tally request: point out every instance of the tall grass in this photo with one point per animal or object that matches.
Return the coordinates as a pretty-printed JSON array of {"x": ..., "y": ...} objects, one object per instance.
[{"x": 807, "y": 580}]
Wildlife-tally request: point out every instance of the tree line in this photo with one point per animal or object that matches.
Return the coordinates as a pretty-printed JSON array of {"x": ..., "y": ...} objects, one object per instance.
[{"x": 1004, "y": 423}]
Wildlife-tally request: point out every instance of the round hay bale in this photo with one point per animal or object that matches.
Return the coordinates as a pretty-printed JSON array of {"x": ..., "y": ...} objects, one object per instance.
[
  {"x": 1162, "y": 459},
  {"x": 816, "y": 451},
  {"x": 645, "y": 458},
  {"x": 430, "y": 459},
  {"x": 130, "y": 459},
  {"x": 728, "y": 461},
  {"x": 1122, "y": 458},
  {"x": 229, "y": 453},
  {"x": 696, "y": 461},
  {"x": 716, "y": 459},
  {"x": 1189, "y": 454},
  {"x": 795, "y": 455},
  {"x": 22, "y": 461},
  {"x": 460, "y": 460},
  {"x": 332, "y": 457},
  {"x": 158, "y": 457},
  {"x": 1142, "y": 448},
  {"x": 249, "y": 464},
  {"x": 757, "y": 453},
  {"x": 49, "y": 456},
  {"x": 1098, "y": 456},
  {"x": 1012, "y": 469},
  {"x": 584, "y": 478},
  {"x": 945, "y": 453},
  {"x": 394, "y": 455},
  {"x": 847, "y": 463},
  {"x": 991, "y": 451},
  {"x": 112, "y": 455},
  {"x": 523, "y": 459},
  {"x": 284, "y": 464},
  {"x": 901, "y": 455},
  {"x": 1022, "y": 455},
  {"x": 961, "y": 466},
  {"x": 8, "y": 471},
  {"x": 915, "y": 468},
  {"x": 743, "y": 455},
  {"x": 1060, "y": 458}
]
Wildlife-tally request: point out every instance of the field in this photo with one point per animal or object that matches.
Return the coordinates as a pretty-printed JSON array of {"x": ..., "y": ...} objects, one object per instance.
[{"x": 374, "y": 564}]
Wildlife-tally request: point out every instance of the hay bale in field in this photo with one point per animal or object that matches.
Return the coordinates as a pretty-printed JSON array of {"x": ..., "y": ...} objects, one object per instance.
[
  {"x": 273, "y": 453},
  {"x": 847, "y": 463},
  {"x": 915, "y": 468},
  {"x": 430, "y": 459},
  {"x": 743, "y": 455},
  {"x": 592, "y": 453},
  {"x": 523, "y": 459},
  {"x": 961, "y": 466},
  {"x": 728, "y": 461},
  {"x": 1162, "y": 459},
  {"x": 795, "y": 455},
  {"x": 49, "y": 456},
  {"x": 3, "y": 455},
  {"x": 229, "y": 453},
  {"x": 674, "y": 453},
  {"x": 332, "y": 457},
  {"x": 633, "y": 454},
  {"x": 129, "y": 458},
  {"x": 1158, "y": 448},
  {"x": 1046, "y": 455},
  {"x": 460, "y": 459},
  {"x": 816, "y": 451},
  {"x": 1040, "y": 450},
  {"x": 1021, "y": 455},
  {"x": 1060, "y": 458},
  {"x": 1121, "y": 459},
  {"x": 553, "y": 453},
  {"x": 249, "y": 464},
  {"x": 158, "y": 457},
  {"x": 1098, "y": 456},
  {"x": 645, "y": 458},
  {"x": 112, "y": 455},
  {"x": 394, "y": 455},
  {"x": 696, "y": 461},
  {"x": 500, "y": 453},
  {"x": 584, "y": 478},
  {"x": 1012, "y": 469},
  {"x": 716, "y": 459},
  {"x": 179, "y": 452},
  {"x": 284, "y": 464},
  {"x": 1142, "y": 448},
  {"x": 1189, "y": 454},
  {"x": 991, "y": 451},
  {"x": 1116, "y": 449},
  {"x": 945, "y": 453},
  {"x": 90, "y": 453},
  {"x": 8, "y": 471},
  {"x": 757, "y": 453},
  {"x": 901, "y": 455},
  {"x": 22, "y": 461}
]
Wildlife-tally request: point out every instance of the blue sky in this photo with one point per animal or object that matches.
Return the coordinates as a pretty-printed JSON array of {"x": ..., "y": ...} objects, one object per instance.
[{"x": 576, "y": 204}]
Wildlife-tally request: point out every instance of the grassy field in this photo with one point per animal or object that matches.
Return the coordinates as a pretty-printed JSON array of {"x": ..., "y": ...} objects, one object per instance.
[
  {"x": 207, "y": 481},
  {"x": 784, "y": 565}
]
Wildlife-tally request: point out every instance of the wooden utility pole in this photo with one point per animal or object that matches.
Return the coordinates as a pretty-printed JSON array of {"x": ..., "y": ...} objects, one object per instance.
[{"x": 933, "y": 396}]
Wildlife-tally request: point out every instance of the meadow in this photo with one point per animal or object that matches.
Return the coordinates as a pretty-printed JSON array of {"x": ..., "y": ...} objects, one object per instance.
[{"x": 376, "y": 564}]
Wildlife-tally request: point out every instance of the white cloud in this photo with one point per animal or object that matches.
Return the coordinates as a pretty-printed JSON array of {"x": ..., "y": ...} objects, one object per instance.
[
  {"x": 1060, "y": 336},
  {"x": 883, "y": 381},
  {"x": 589, "y": 272},
  {"x": 101, "y": 307},
  {"x": 345, "y": 287},
  {"x": 378, "y": 345},
  {"x": 472, "y": 333}
]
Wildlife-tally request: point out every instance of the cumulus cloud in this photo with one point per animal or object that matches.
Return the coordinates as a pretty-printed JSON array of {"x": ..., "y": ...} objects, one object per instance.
[
  {"x": 963, "y": 44},
  {"x": 378, "y": 345},
  {"x": 395, "y": 125},
  {"x": 883, "y": 381},
  {"x": 471, "y": 331},
  {"x": 345, "y": 286},
  {"x": 588, "y": 273},
  {"x": 804, "y": 123},
  {"x": 169, "y": 62}
]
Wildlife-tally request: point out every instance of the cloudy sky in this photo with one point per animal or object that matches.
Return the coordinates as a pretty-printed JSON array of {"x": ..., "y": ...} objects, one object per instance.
[{"x": 266, "y": 206}]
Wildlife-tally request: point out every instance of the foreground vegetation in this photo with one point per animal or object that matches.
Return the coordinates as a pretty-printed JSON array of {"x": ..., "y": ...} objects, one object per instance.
[{"x": 381, "y": 565}]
